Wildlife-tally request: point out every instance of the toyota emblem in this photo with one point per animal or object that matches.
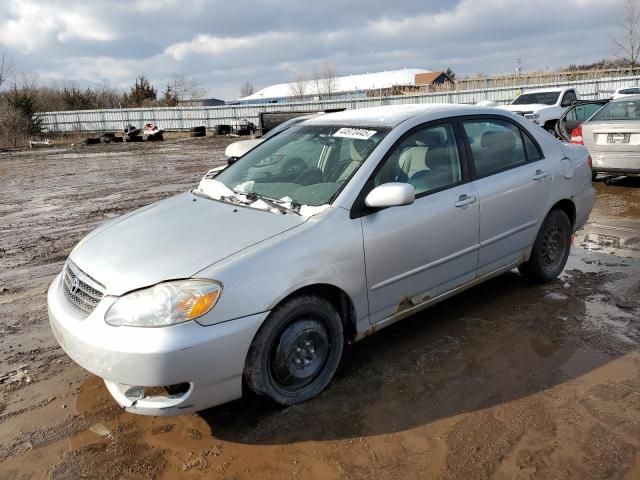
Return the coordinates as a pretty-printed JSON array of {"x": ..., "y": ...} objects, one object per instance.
[{"x": 75, "y": 285}]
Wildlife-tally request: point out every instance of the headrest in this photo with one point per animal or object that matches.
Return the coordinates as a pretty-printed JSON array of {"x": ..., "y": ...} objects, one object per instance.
[
  {"x": 503, "y": 140},
  {"x": 430, "y": 138}
]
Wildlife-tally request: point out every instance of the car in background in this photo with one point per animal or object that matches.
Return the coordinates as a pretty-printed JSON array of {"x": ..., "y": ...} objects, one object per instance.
[
  {"x": 237, "y": 149},
  {"x": 625, "y": 91},
  {"x": 581, "y": 111},
  {"x": 612, "y": 136},
  {"x": 253, "y": 281},
  {"x": 544, "y": 107}
]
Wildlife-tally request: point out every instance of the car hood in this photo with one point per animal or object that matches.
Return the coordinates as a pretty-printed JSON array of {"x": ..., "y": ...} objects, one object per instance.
[
  {"x": 172, "y": 239},
  {"x": 239, "y": 148},
  {"x": 534, "y": 107}
]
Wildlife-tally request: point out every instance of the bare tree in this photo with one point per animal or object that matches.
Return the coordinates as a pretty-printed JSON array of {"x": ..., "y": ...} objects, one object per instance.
[
  {"x": 628, "y": 42},
  {"x": 6, "y": 68},
  {"x": 246, "y": 89},
  {"x": 298, "y": 88},
  {"x": 329, "y": 80},
  {"x": 186, "y": 89},
  {"x": 324, "y": 80}
]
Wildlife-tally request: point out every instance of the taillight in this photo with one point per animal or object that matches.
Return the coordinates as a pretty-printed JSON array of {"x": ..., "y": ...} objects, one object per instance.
[
  {"x": 590, "y": 162},
  {"x": 576, "y": 136}
]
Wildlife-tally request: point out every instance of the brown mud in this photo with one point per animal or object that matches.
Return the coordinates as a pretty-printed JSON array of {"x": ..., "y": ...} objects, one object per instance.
[{"x": 508, "y": 380}]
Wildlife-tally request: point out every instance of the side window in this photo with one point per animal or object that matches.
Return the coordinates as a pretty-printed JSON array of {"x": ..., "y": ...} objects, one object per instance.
[
  {"x": 533, "y": 152},
  {"x": 427, "y": 159},
  {"x": 496, "y": 145},
  {"x": 569, "y": 98}
]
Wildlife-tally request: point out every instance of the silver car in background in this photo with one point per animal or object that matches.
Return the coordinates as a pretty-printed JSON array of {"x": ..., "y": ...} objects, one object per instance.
[
  {"x": 261, "y": 274},
  {"x": 612, "y": 136}
]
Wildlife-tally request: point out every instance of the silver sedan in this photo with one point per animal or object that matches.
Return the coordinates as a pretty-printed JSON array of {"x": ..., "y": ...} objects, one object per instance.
[
  {"x": 264, "y": 273},
  {"x": 612, "y": 136}
]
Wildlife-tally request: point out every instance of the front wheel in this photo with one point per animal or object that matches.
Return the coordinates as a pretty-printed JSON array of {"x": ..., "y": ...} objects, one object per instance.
[
  {"x": 296, "y": 352},
  {"x": 550, "y": 250}
]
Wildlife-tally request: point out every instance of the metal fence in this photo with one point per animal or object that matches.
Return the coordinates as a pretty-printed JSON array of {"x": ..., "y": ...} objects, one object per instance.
[{"x": 182, "y": 118}]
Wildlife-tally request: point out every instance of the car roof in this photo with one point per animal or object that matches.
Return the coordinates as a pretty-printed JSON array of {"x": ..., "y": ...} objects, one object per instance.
[
  {"x": 393, "y": 115},
  {"x": 627, "y": 98},
  {"x": 550, "y": 89}
]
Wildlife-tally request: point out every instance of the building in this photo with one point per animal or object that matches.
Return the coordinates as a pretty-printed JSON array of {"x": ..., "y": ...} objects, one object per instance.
[
  {"x": 349, "y": 86},
  {"x": 204, "y": 102}
]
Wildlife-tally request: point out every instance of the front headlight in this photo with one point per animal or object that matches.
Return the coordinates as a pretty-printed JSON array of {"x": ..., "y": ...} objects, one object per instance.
[
  {"x": 534, "y": 117},
  {"x": 164, "y": 304}
]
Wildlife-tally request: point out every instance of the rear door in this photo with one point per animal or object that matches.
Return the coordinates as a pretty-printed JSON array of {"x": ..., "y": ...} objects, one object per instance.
[
  {"x": 513, "y": 181},
  {"x": 574, "y": 117}
]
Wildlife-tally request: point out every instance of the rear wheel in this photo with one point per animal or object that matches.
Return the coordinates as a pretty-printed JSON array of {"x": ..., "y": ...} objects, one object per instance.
[
  {"x": 550, "y": 250},
  {"x": 296, "y": 351}
]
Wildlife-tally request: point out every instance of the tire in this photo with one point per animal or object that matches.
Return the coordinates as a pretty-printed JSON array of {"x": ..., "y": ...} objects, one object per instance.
[
  {"x": 156, "y": 137},
  {"x": 594, "y": 175},
  {"x": 296, "y": 352},
  {"x": 198, "y": 134},
  {"x": 108, "y": 134},
  {"x": 201, "y": 128},
  {"x": 550, "y": 250},
  {"x": 223, "y": 129},
  {"x": 117, "y": 139},
  {"x": 133, "y": 138},
  {"x": 105, "y": 139},
  {"x": 91, "y": 141}
]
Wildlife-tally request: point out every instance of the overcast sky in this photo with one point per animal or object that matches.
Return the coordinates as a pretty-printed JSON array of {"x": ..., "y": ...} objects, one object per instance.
[{"x": 221, "y": 44}]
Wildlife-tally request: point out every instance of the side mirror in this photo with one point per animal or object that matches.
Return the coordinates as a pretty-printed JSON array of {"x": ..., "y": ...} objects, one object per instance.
[{"x": 390, "y": 195}]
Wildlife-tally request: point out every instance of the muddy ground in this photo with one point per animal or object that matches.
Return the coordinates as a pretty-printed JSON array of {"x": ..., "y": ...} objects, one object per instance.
[{"x": 507, "y": 380}]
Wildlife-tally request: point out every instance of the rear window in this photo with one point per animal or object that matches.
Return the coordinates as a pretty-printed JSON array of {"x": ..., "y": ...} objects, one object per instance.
[
  {"x": 623, "y": 110},
  {"x": 629, "y": 91}
]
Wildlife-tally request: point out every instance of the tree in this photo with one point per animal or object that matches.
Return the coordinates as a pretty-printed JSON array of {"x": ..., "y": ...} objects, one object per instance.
[
  {"x": 18, "y": 121},
  {"x": 246, "y": 89},
  {"x": 628, "y": 41},
  {"x": 451, "y": 74},
  {"x": 169, "y": 98},
  {"x": 329, "y": 79},
  {"x": 6, "y": 69},
  {"x": 324, "y": 80},
  {"x": 298, "y": 88},
  {"x": 141, "y": 94},
  {"x": 186, "y": 89}
]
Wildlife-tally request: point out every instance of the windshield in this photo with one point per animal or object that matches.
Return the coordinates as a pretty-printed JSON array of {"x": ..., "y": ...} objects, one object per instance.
[
  {"x": 304, "y": 165},
  {"x": 544, "y": 98},
  {"x": 629, "y": 110},
  {"x": 283, "y": 126}
]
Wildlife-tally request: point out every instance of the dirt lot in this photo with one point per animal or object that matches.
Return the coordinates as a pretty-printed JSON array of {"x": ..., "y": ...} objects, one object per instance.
[{"x": 505, "y": 381}]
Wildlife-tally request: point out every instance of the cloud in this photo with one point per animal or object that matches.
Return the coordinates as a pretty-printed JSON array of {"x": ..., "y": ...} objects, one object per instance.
[
  {"x": 221, "y": 44},
  {"x": 208, "y": 45},
  {"x": 30, "y": 25}
]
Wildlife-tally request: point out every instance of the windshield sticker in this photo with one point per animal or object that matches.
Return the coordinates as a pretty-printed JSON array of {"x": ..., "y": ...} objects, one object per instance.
[{"x": 357, "y": 133}]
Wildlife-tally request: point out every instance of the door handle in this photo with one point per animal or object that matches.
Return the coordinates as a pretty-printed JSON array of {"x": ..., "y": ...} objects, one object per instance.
[
  {"x": 465, "y": 200},
  {"x": 540, "y": 174}
]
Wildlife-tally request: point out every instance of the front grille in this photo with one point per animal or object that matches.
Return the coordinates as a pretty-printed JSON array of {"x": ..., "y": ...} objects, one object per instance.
[{"x": 82, "y": 291}]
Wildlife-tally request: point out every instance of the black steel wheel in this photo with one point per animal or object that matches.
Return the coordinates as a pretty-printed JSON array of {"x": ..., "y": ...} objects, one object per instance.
[
  {"x": 296, "y": 351},
  {"x": 550, "y": 250}
]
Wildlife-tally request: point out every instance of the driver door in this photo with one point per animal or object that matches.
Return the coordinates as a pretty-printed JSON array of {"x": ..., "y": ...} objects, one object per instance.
[{"x": 416, "y": 252}]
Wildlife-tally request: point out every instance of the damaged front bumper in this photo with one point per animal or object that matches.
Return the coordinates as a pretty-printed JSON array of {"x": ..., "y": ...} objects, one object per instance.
[{"x": 156, "y": 371}]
